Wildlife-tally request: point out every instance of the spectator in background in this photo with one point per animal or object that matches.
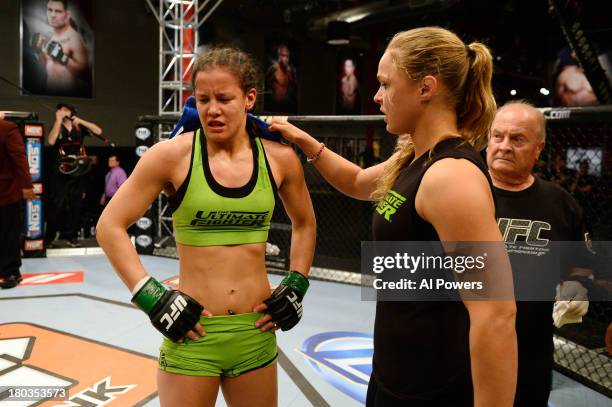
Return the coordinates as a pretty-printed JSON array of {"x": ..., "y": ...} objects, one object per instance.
[
  {"x": 66, "y": 184},
  {"x": 15, "y": 186},
  {"x": 583, "y": 182},
  {"x": 113, "y": 180},
  {"x": 559, "y": 174}
]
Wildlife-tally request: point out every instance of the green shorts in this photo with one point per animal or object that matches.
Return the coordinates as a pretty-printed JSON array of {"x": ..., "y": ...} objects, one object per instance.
[{"x": 232, "y": 346}]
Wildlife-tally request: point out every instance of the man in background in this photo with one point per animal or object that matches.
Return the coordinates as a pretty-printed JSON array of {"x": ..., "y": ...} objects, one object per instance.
[
  {"x": 66, "y": 188},
  {"x": 15, "y": 186},
  {"x": 531, "y": 214},
  {"x": 113, "y": 180}
]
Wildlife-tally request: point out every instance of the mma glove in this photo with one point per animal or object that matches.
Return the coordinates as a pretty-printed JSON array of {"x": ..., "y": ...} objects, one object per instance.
[
  {"x": 56, "y": 52},
  {"x": 285, "y": 303},
  {"x": 173, "y": 313}
]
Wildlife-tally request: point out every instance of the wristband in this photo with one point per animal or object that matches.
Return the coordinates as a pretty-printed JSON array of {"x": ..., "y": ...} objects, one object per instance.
[
  {"x": 149, "y": 295},
  {"x": 297, "y": 282},
  {"x": 140, "y": 283}
]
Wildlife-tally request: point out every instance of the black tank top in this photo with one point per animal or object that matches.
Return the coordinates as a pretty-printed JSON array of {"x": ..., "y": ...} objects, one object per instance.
[{"x": 421, "y": 349}]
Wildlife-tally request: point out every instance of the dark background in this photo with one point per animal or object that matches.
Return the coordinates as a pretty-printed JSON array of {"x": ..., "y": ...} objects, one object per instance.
[
  {"x": 125, "y": 71},
  {"x": 523, "y": 36}
]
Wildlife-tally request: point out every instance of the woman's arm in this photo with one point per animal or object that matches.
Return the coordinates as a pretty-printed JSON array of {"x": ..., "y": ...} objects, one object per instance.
[
  {"x": 342, "y": 174},
  {"x": 298, "y": 205},
  {"x": 284, "y": 306},
  {"x": 127, "y": 206},
  {"x": 455, "y": 198}
]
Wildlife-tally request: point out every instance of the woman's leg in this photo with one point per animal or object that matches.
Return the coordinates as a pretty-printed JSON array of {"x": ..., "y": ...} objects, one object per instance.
[
  {"x": 257, "y": 388},
  {"x": 182, "y": 390}
]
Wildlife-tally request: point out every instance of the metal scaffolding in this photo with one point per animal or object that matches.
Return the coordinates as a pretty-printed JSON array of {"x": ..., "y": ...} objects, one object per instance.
[{"x": 179, "y": 21}]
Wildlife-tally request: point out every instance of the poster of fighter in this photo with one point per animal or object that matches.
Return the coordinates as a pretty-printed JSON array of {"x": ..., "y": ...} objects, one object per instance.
[
  {"x": 281, "y": 93},
  {"x": 57, "y": 47}
]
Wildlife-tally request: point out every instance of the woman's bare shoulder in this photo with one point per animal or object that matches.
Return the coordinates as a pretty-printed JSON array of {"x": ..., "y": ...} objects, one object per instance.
[
  {"x": 174, "y": 149},
  {"x": 278, "y": 151}
]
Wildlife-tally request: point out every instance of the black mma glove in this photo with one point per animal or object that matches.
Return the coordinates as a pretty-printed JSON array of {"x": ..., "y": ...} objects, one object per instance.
[
  {"x": 172, "y": 312},
  {"x": 56, "y": 52},
  {"x": 285, "y": 303}
]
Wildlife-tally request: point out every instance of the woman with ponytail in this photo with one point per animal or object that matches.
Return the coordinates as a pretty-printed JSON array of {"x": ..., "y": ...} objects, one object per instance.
[{"x": 436, "y": 90}]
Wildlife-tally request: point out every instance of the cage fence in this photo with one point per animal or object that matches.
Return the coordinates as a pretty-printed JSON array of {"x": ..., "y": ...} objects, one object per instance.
[{"x": 577, "y": 157}]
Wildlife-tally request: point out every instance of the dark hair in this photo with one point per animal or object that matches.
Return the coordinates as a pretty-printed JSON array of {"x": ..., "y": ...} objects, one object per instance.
[
  {"x": 67, "y": 106},
  {"x": 64, "y": 2},
  {"x": 239, "y": 63}
]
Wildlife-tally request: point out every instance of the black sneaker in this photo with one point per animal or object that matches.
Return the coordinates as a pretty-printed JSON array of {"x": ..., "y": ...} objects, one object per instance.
[{"x": 10, "y": 281}]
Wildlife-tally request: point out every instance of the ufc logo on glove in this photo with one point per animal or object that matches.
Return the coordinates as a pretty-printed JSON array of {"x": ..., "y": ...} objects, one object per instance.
[{"x": 176, "y": 307}]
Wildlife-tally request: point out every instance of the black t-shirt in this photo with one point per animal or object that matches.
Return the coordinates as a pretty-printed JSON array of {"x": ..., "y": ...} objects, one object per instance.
[
  {"x": 421, "y": 349},
  {"x": 530, "y": 220}
]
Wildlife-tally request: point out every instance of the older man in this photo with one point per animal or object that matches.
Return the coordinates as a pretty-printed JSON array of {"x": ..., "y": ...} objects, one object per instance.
[{"x": 531, "y": 213}]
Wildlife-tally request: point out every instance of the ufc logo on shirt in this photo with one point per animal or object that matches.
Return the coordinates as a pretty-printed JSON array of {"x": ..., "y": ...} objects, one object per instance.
[
  {"x": 177, "y": 306},
  {"x": 297, "y": 305},
  {"x": 511, "y": 229}
]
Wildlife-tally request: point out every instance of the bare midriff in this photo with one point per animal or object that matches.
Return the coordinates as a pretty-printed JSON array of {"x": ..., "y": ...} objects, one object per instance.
[{"x": 224, "y": 279}]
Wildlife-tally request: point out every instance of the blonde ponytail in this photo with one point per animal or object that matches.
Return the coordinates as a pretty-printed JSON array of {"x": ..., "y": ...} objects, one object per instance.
[{"x": 466, "y": 70}]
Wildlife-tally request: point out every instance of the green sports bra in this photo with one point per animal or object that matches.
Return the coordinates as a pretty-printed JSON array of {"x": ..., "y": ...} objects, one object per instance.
[{"x": 206, "y": 213}]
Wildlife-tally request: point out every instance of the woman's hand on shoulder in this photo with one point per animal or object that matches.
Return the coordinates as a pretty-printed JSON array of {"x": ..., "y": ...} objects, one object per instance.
[
  {"x": 283, "y": 160},
  {"x": 290, "y": 132}
]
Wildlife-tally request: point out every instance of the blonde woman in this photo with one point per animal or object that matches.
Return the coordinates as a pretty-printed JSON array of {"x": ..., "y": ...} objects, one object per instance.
[{"x": 437, "y": 89}]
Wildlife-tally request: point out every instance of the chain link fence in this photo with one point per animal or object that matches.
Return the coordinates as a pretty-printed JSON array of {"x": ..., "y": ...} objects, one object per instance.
[{"x": 577, "y": 157}]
